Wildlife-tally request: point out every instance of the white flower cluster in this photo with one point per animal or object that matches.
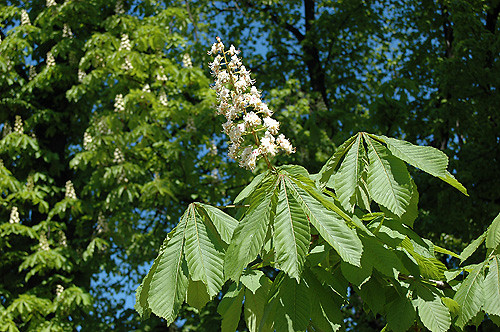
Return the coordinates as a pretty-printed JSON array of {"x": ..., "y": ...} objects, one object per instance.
[
  {"x": 163, "y": 98},
  {"x": 18, "y": 125},
  {"x": 246, "y": 114},
  {"x": 14, "y": 216},
  {"x": 43, "y": 243},
  {"x": 87, "y": 141},
  {"x": 101, "y": 223},
  {"x": 59, "y": 290},
  {"x": 7, "y": 129},
  {"x": 63, "y": 241},
  {"x": 50, "y": 59},
  {"x": 119, "y": 103},
  {"x": 70, "y": 190},
  {"x": 67, "y": 33},
  {"x": 127, "y": 65},
  {"x": 118, "y": 156},
  {"x": 146, "y": 88},
  {"x": 160, "y": 76},
  {"x": 81, "y": 75},
  {"x": 186, "y": 61},
  {"x": 122, "y": 178},
  {"x": 25, "y": 19},
  {"x": 50, "y": 3},
  {"x": 190, "y": 126},
  {"x": 212, "y": 150},
  {"x": 32, "y": 72},
  {"x": 125, "y": 43},
  {"x": 119, "y": 10}
]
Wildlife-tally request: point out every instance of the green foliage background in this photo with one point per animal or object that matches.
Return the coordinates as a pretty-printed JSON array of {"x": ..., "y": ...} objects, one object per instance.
[{"x": 425, "y": 71}]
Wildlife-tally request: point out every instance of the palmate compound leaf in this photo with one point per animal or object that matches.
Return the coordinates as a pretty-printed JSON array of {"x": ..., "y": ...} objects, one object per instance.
[
  {"x": 324, "y": 177},
  {"x": 432, "y": 312},
  {"x": 291, "y": 232},
  {"x": 493, "y": 234},
  {"x": 190, "y": 263},
  {"x": 470, "y": 295},
  {"x": 388, "y": 179}
]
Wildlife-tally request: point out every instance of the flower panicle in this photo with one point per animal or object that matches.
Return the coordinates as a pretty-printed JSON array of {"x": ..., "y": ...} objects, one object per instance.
[{"x": 249, "y": 126}]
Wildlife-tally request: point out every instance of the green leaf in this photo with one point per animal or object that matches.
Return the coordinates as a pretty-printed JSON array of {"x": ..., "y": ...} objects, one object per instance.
[
  {"x": 450, "y": 179},
  {"x": 224, "y": 223},
  {"x": 325, "y": 312},
  {"x": 470, "y": 295},
  {"x": 230, "y": 308},
  {"x": 248, "y": 190},
  {"x": 170, "y": 280},
  {"x": 248, "y": 238},
  {"x": 493, "y": 234},
  {"x": 380, "y": 257},
  {"x": 400, "y": 314},
  {"x": 452, "y": 306},
  {"x": 357, "y": 275},
  {"x": 291, "y": 232},
  {"x": 197, "y": 295},
  {"x": 330, "y": 166},
  {"x": 491, "y": 287},
  {"x": 251, "y": 279},
  {"x": 203, "y": 252},
  {"x": 293, "y": 305},
  {"x": 472, "y": 247},
  {"x": 346, "y": 179},
  {"x": 255, "y": 302},
  {"x": 388, "y": 179},
  {"x": 372, "y": 292},
  {"x": 425, "y": 158},
  {"x": 433, "y": 313},
  {"x": 330, "y": 226}
]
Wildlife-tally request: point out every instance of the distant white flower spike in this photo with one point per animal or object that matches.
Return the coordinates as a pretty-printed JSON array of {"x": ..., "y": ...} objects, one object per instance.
[
  {"x": 50, "y": 61},
  {"x": 119, "y": 103},
  {"x": 18, "y": 125},
  {"x": 14, "y": 216},
  {"x": 67, "y": 33},
  {"x": 70, "y": 190},
  {"x": 51, "y": 3},
  {"x": 186, "y": 61},
  {"x": 125, "y": 43},
  {"x": 25, "y": 19}
]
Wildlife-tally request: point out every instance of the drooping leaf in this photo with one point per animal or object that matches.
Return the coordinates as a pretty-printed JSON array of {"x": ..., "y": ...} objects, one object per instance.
[
  {"x": 491, "y": 287},
  {"x": 197, "y": 295},
  {"x": 493, "y": 234},
  {"x": 170, "y": 280},
  {"x": 255, "y": 302},
  {"x": 330, "y": 226},
  {"x": 381, "y": 258},
  {"x": 400, "y": 314},
  {"x": 470, "y": 295},
  {"x": 388, "y": 179},
  {"x": 248, "y": 237},
  {"x": 224, "y": 223},
  {"x": 372, "y": 292},
  {"x": 348, "y": 176},
  {"x": 326, "y": 172},
  {"x": 291, "y": 232},
  {"x": 450, "y": 179},
  {"x": 230, "y": 308},
  {"x": 472, "y": 247},
  {"x": 432, "y": 312},
  {"x": 248, "y": 190},
  {"x": 293, "y": 306},
  {"x": 203, "y": 252}
]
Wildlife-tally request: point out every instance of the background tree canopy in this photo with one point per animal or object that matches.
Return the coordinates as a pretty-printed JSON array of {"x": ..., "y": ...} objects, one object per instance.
[{"x": 108, "y": 131}]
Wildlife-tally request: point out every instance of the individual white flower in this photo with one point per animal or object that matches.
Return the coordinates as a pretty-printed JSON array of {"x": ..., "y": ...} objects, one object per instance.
[
  {"x": 127, "y": 65},
  {"x": 67, "y": 33},
  {"x": 25, "y": 18},
  {"x": 18, "y": 125},
  {"x": 81, "y": 75},
  {"x": 50, "y": 3},
  {"x": 251, "y": 119},
  {"x": 70, "y": 190},
  {"x": 186, "y": 61},
  {"x": 59, "y": 291},
  {"x": 14, "y": 216},
  {"x": 118, "y": 156},
  {"x": 249, "y": 158},
  {"x": 87, "y": 141},
  {"x": 50, "y": 61},
  {"x": 43, "y": 243},
  {"x": 119, "y": 10},
  {"x": 125, "y": 43},
  {"x": 119, "y": 103},
  {"x": 163, "y": 98},
  {"x": 272, "y": 125},
  {"x": 267, "y": 144},
  {"x": 32, "y": 72},
  {"x": 284, "y": 143}
]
